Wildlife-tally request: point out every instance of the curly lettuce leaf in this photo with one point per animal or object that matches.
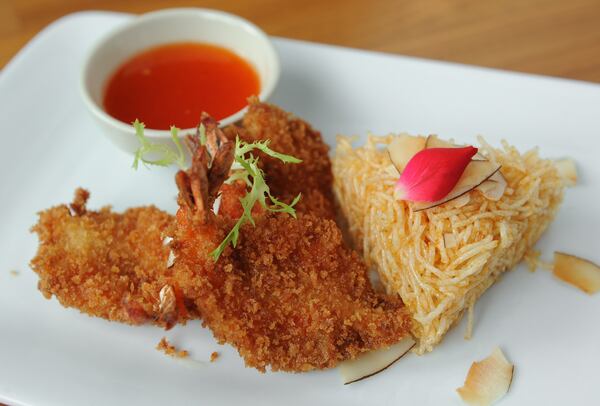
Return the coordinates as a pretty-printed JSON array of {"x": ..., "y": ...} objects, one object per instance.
[
  {"x": 243, "y": 148},
  {"x": 168, "y": 155}
]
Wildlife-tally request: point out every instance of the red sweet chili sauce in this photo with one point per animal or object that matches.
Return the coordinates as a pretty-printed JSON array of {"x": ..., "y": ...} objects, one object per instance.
[{"x": 172, "y": 84}]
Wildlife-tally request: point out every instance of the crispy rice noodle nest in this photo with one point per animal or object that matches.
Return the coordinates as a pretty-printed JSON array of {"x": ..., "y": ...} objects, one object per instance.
[{"x": 407, "y": 248}]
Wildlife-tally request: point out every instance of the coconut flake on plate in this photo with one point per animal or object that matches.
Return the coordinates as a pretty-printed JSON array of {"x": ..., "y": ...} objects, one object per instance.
[
  {"x": 578, "y": 272},
  {"x": 487, "y": 380},
  {"x": 373, "y": 362}
]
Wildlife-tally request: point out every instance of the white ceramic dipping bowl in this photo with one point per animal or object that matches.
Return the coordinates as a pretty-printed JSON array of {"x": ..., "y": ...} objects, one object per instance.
[{"x": 164, "y": 27}]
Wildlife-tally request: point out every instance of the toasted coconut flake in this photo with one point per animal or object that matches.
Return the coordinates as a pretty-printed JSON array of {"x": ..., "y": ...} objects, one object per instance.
[
  {"x": 434, "y": 142},
  {"x": 374, "y": 362},
  {"x": 461, "y": 201},
  {"x": 487, "y": 380},
  {"x": 403, "y": 148},
  {"x": 494, "y": 187},
  {"x": 486, "y": 186},
  {"x": 567, "y": 170},
  {"x": 578, "y": 272}
]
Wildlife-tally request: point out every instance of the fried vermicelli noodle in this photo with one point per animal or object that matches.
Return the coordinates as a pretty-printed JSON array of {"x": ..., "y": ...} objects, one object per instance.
[{"x": 437, "y": 280}]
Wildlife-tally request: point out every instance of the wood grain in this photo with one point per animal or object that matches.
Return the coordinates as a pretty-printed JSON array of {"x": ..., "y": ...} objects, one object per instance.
[{"x": 550, "y": 37}]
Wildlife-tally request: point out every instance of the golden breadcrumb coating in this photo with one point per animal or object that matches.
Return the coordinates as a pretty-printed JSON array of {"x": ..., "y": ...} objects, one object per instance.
[
  {"x": 107, "y": 264},
  {"x": 289, "y": 296}
]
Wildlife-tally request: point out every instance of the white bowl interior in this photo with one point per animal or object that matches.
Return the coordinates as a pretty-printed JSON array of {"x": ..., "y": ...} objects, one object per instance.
[{"x": 181, "y": 25}]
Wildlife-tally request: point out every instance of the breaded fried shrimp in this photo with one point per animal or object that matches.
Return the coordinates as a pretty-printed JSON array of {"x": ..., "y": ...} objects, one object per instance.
[
  {"x": 107, "y": 264},
  {"x": 289, "y": 296}
]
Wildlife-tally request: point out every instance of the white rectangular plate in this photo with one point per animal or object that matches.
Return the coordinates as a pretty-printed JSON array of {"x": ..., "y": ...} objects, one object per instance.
[{"x": 50, "y": 355}]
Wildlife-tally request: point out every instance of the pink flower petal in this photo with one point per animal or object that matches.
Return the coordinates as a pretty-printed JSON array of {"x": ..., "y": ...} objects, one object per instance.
[{"x": 432, "y": 173}]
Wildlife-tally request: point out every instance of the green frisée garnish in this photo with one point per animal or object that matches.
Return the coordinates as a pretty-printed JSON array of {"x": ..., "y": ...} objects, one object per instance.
[
  {"x": 168, "y": 155},
  {"x": 245, "y": 168},
  {"x": 259, "y": 192}
]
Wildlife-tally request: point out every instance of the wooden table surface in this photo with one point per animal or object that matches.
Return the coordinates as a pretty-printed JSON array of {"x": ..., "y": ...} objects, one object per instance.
[{"x": 550, "y": 37}]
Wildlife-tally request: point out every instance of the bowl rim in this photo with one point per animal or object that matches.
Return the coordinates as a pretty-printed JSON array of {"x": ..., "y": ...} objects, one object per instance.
[{"x": 98, "y": 111}]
